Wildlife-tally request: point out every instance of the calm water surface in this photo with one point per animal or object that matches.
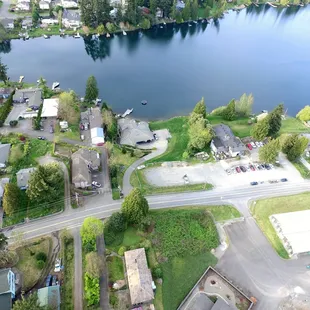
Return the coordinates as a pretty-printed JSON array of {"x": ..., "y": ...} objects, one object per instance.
[{"x": 263, "y": 50}]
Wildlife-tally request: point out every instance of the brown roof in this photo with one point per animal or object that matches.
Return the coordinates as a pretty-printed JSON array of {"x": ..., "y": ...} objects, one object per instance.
[{"x": 139, "y": 277}]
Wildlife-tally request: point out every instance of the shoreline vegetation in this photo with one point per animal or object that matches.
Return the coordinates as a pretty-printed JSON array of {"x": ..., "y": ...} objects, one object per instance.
[{"x": 203, "y": 14}]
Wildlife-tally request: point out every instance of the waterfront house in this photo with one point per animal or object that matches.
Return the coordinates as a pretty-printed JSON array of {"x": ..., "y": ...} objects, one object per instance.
[
  {"x": 8, "y": 23},
  {"x": 180, "y": 5},
  {"x": 69, "y": 4},
  {"x": 70, "y": 23},
  {"x": 49, "y": 21},
  {"x": 49, "y": 297},
  {"x": 133, "y": 133},
  {"x": 4, "y": 154},
  {"x": 23, "y": 6},
  {"x": 26, "y": 23},
  {"x": 44, "y": 5},
  {"x": 32, "y": 96},
  {"x": 7, "y": 288},
  {"x": 23, "y": 177},
  {"x": 159, "y": 13},
  {"x": 226, "y": 142},
  {"x": 139, "y": 276},
  {"x": 50, "y": 108}
]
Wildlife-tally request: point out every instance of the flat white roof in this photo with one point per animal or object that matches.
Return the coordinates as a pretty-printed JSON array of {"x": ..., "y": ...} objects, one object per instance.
[
  {"x": 294, "y": 229},
  {"x": 50, "y": 107}
]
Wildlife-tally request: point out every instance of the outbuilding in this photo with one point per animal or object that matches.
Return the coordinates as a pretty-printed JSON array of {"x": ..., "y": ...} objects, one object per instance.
[
  {"x": 50, "y": 107},
  {"x": 97, "y": 136}
]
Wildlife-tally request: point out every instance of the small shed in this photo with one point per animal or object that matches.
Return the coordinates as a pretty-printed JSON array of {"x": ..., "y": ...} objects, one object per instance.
[
  {"x": 50, "y": 107},
  {"x": 97, "y": 136},
  {"x": 49, "y": 297}
]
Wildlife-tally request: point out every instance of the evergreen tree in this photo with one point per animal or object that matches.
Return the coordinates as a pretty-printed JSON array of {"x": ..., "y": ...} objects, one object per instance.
[
  {"x": 3, "y": 241},
  {"x": 102, "y": 9},
  {"x": 194, "y": 10},
  {"x": 294, "y": 146},
  {"x": 87, "y": 12},
  {"x": 135, "y": 207},
  {"x": 29, "y": 303},
  {"x": 3, "y": 72},
  {"x": 35, "y": 13},
  {"x": 153, "y": 6},
  {"x": 92, "y": 91},
  {"x": 275, "y": 120},
  {"x": 186, "y": 13},
  {"x": 11, "y": 198},
  {"x": 269, "y": 152},
  {"x": 229, "y": 113},
  {"x": 200, "y": 108},
  {"x": 260, "y": 130}
]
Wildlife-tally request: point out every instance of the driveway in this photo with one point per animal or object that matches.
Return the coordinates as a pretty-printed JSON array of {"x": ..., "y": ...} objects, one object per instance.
[
  {"x": 215, "y": 173},
  {"x": 4, "y": 11},
  {"x": 18, "y": 109}
]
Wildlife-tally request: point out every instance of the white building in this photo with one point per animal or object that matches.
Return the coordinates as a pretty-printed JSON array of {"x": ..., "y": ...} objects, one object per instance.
[
  {"x": 97, "y": 136},
  {"x": 50, "y": 107},
  {"x": 49, "y": 21},
  {"x": 69, "y": 4},
  {"x": 67, "y": 23},
  {"x": 23, "y": 6},
  {"x": 44, "y": 5}
]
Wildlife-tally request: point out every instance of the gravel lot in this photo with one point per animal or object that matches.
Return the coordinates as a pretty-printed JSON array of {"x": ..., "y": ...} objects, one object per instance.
[{"x": 215, "y": 173}]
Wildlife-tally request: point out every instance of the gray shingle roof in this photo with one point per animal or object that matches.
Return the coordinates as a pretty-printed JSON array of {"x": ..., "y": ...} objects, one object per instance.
[
  {"x": 4, "y": 284},
  {"x": 34, "y": 95},
  {"x": 4, "y": 152},
  {"x": 23, "y": 176}
]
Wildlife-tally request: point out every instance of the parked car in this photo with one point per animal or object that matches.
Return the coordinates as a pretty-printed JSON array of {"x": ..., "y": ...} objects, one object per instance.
[
  {"x": 253, "y": 145},
  {"x": 228, "y": 171},
  {"x": 254, "y": 183},
  {"x": 238, "y": 169},
  {"x": 261, "y": 143},
  {"x": 34, "y": 107},
  {"x": 41, "y": 138},
  {"x": 271, "y": 166},
  {"x": 267, "y": 167},
  {"x": 257, "y": 144},
  {"x": 51, "y": 129},
  {"x": 243, "y": 169},
  {"x": 54, "y": 280},
  {"x": 48, "y": 280},
  {"x": 249, "y": 146},
  {"x": 96, "y": 184},
  {"x": 252, "y": 167},
  {"x": 284, "y": 180}
]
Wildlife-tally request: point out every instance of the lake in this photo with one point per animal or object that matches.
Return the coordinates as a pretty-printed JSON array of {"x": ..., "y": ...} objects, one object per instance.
[{"x": 262, "y": 50}]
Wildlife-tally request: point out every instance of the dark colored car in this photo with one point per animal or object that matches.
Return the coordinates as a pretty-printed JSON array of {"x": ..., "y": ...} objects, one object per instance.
[
  {"x": 54, "y": 279},
  {"x": 238, "y": 169},
  {"x": 252, "y": 167},
  {"x": 41, "y": 138},
  {"x": 254, "y": 183},
  {"x": 267, "y": 167},
  {"x": 48, "y": 280},
  {"x": 34, "y": 107},
  {"x": 243, "y": 169},
  {"x": 284, "y": 180}
]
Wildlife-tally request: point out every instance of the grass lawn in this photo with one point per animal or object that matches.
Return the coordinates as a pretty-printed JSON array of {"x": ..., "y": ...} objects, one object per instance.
[
  {"x": 266, "y": 207},
  {"x": 293, "y": 125},
  {"x": 131, "y": 237},
  {"x": 137, "y": 179},
  {"x": 305, "y": 173},
  {"x": 27, "y": 261},
  {"x": 67, "y": 292},
  {"x": 178, "y": 129},
  {"x": 73, "y": 133},
  {"x": 116, "y": 268}
]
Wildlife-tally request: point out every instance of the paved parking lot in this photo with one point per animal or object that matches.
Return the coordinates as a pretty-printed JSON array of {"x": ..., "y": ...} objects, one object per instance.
[
  {"x": 18, "y": 109},
  {"x": 215, "y": 173}
]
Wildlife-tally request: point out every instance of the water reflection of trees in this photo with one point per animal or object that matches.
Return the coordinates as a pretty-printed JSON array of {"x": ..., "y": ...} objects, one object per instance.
[
  {"x": 5, "y": 46},
  {"x": 97, "y": 48}
]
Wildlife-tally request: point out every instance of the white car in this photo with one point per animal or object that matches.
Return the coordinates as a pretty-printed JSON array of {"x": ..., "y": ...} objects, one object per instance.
[
  {"x": 261, "y": 143},
  {"x": 257, "y": 144},
  {"x": 141, "y": 167},
  {"x": 253, "y": 145},
  {"x": 96, "y": 184},
  {"x": 271, "y": 166},
  {"x": 228, "y": 171}
]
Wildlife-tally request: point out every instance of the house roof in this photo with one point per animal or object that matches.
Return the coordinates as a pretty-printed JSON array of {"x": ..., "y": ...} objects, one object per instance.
[
  {"x": 89, "y": 156},
  {"x": 133, "y": 132},
  {"x": 80, "y": 171},
  {"x": 95, "y": 117},
  {"x": 6, "y": 301},
  {"x": 34, "y": 95},
  {"x": 50, "y": 107},
  {"x": 4, "y": 152},
  {"x": 139, "y": 276},
  {"x": 23, "y": 176},
  {"x": 220, "y": 304},
  {"x": 50, "y": 296},
  {"x": 4, "y": 282},
  {"x": 227, "y": 139}
]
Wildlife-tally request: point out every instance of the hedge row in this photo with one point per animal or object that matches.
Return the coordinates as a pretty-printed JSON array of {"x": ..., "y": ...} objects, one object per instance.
[{"x": 6, "y": 108}]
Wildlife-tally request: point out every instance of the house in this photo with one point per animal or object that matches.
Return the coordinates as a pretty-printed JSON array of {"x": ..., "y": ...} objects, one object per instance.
[
  {"x": 180, "y": 5},
  {"x": 261, "y": 116},
  {"x": 4, "y": 154},
  {"x": 159, "y": 13},
  {"x": 49, "y": 21},
  {"x": 226, "y": 142},
  {"x": 49, "y": 297},
  {"x": 32, "y": 96},
  {"x": 69, "y": 23},
  {"x": 133, "y": 132},
  {"x": 44, "y": 5},
  {"x": 26, "y": 23},
  {"x": 7, "y": 288},
  {"x": 50, "y": 107},
  {"x": 139, "y": 277},
  {"x": 6, "y": 92},
  {"x": 69, "y": 4},
  {"x": 23, "y": 177},
  {"x": 83, "y": 162},
  {"x": 23, "y": 6},
  {"x": 97, "y": 136},
  {"x": 8, "y": 23}
]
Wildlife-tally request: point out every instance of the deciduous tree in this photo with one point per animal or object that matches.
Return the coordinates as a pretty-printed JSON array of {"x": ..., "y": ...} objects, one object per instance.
[
  {"x": 229, "y": 114},
  {"x": 3, "y": 241},
  {"x": 260, "y": 130},
  {"x": 92, "y": 91},
  {"x": 11, "y": 198},
  {"x": 68, "y": 108},
  {"x": 194, "y": 9},
  {"x": 244, "y": 105},
  {"x": 94, "y": 264},
  {"x": 91, "y": 228},
  {"x": 29, "y": 303},
  {"x": 145, "y": 23},
  {"x": 110, "y": 124},
  {"x": 200, "y": 108},
  {"x": 135, "y": 207},
  {"x": 35, "y": 13},
  {"x": 269, "y": 152},
  {"x": 101, "y": 29},
  {"x": 304, "y": 114},
  {"x": 3, "y": 72},
  {"x": 294, "y": 146},
  {"x": 186, "y": 13},
  {"x": 275, "y": 120},
  {"x": 117, "y": 222}
]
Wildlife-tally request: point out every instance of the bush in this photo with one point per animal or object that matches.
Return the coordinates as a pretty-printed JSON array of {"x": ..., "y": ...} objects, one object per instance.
[
  {"x": 121, "y": 250},
  {"x": 1, "y": 123},
  {"x": 145, "y": 244},
  {"x": 13, "y": 123},
  {"x": 124, "y": 151},
  {"x": 157, "y": 272},
  {"x": 116, "y": 223},
  {"x": 41, "y": 256},
  {"x": 6, "y": 108},
  {"x": 40, "y": 264},
  {"x": 92, "y": 290}
]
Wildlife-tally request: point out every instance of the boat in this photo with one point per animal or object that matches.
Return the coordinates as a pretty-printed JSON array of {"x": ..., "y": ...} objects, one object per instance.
[
  {"x": 190, "y": 25},
  {"x": 77, "y": 36},
  {"x": 55, "y": 85},
  {"x": 124, "y": 33},
  {"x": 108, "y": 35},
  {"x": 195, "y": 22},
  {"x": 27, "y": 36},
  {"x": 128, "y": 111},
  {"x": 165, "y": 23},
  {"x": 144, "y": 102},
  {"x": 46, "y": 36},
  {"x": 161, "y": 26},
  {"x": 21, "y": 78}
]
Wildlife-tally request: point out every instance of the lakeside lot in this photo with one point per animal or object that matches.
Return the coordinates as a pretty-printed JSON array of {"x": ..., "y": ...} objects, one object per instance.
[
  {"x": 181, "y": 252},
  {"x": 178, "y": 128},
  {"x": 262, "y": 209}
]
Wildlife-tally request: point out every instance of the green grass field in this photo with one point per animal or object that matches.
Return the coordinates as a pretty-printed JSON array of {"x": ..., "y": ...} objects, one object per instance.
[
  {"x": 304, "y": 172},
  {"x": 266, "y": 207},
  {"x": 293, "y": 125},
  {"x": 116, "y": 268}
]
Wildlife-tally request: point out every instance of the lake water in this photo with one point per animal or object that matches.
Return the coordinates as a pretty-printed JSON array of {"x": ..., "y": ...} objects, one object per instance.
[{"x": 262, "y": 50}]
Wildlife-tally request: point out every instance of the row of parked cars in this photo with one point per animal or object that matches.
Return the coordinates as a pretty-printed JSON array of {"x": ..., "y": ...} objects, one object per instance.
[
  {"x": 254, "y": 145},
  {"x": 250, "y": 167},
  {"x": 51, "y": 280},
  {"x": 270, "y": 181}
]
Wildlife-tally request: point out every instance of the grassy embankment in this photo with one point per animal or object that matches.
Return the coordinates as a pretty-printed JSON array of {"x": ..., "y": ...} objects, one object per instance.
[
  {"x": 27, "y": 263},
  {"x": 266, "y": 207},
  {"x": 182, "y": 251}
]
